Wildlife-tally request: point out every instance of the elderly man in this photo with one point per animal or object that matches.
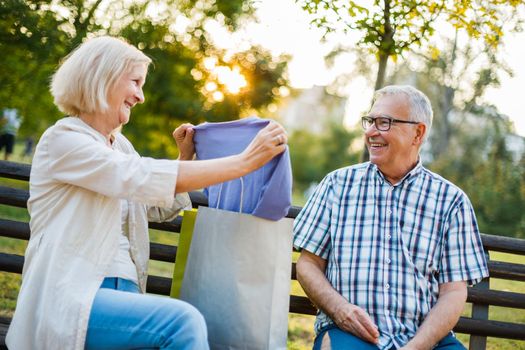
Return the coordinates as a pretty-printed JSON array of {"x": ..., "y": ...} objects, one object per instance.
[{"x": 388, "y": 247}]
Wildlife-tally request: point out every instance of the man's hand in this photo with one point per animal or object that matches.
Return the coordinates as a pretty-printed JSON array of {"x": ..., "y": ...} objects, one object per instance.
[
  {"x": 353, "y": 319},
  {"x": 183, "y": 136}
]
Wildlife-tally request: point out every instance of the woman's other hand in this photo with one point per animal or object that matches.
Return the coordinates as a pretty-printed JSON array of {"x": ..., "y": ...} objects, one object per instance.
[
  {"x": 183, "y": 136},
  {"x": 268, "y": 143}
]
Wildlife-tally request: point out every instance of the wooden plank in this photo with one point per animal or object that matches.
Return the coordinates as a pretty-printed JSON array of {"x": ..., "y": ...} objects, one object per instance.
[
  {"x": 505, "y": 270},
  {"x": 496, "y": 298},
  {"x": 489, "y": 328},
  {"x": 170, "y": 226},
  {"x": 20, "y": 171},
  {"x": 14, "y": 170},
  {"x": 162, "y": 252},
  {"x": 302, "y": 305},
  {"x": 14, "y": 229},
  {"x": 503, "y": 244},
  {"x": 14, "y": 197},
  {"x": 4, "y": 325},
  {"x": 11, "y": 263}
]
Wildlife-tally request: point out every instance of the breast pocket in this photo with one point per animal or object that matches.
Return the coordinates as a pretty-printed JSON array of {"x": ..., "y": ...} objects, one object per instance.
[{"x": 423, "y": 247}]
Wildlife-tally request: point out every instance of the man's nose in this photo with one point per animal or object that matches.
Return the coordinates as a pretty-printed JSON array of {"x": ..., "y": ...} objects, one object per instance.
[{"x": 371, "y": 130}]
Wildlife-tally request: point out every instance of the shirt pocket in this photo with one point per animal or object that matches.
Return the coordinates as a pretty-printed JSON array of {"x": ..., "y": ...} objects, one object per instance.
[{"x": 422, "y": 246}]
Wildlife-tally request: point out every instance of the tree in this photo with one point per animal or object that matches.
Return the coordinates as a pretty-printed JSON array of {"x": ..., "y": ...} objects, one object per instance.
[
  {"x": 35, "y": 35},
  {"x": 392, "y": 27},
  {"x": 313, "y": 155},
  {"x": 454, "y": 78},
  {"x": 481, "y": 163}
]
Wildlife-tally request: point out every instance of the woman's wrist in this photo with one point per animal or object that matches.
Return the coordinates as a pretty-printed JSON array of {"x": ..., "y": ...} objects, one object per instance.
[
  {"x": 183, "y": 156},
  {"x": 243, "y": 164}
]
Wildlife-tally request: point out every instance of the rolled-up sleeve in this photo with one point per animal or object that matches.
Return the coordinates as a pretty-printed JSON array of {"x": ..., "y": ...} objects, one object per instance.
[{"x": 76, "y": 158}]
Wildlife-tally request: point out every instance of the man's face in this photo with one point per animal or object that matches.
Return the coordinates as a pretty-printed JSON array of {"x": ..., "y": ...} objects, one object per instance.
[{"x": 395, "y": 151}]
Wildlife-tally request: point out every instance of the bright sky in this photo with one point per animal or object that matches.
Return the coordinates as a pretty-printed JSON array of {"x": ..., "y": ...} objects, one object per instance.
[{"x": 284, "y": 28}]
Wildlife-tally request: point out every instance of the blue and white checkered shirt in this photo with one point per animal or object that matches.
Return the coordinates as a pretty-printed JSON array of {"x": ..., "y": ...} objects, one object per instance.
[{"x": 389, "y": 247}]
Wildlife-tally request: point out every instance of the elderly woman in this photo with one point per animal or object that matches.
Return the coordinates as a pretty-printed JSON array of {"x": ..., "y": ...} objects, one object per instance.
[{"x": 91, "y": 196}]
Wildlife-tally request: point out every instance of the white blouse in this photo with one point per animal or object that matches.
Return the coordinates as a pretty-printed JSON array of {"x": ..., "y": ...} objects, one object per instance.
[
  {"x": 122, "y": 265},
  {"x": 76, "y": 185}
]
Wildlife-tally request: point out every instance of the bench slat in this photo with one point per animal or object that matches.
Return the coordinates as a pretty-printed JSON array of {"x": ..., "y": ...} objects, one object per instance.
[
  {"x": 496, "y": 298},
  {"x": 503, "y": 244},
  {"x": 162, "y": 285},
  {"x": 505, "y": 270},
  {"x": 11, "y": 263},
  {"x": 17, "y": 171},
  {"x": 4, "y": 325},
  {"x": 489, "y": 328},
  {"x": 14, "y": 229},
  {"x": 171, "y": 226},
  {"x": 14, "y": 197}
]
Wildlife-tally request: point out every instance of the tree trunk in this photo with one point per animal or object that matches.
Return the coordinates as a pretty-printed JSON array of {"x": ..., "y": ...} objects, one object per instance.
[
  {"x": 446, "y": 105},
  {"x": 381, "y": 71},
  {"x": 385, "y": 49},
  {"x": 380, "y": 82}
]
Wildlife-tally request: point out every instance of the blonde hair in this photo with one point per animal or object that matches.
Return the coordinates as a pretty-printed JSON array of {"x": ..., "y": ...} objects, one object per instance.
[{"x": 82, "y": 82}]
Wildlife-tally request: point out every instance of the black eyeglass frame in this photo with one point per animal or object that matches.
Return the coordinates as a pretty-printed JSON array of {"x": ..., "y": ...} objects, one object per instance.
[{"x": 369, "y": 120}]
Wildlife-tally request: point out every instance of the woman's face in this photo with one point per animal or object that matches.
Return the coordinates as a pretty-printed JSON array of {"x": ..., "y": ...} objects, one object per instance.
[{"x": 126, "y": 93}]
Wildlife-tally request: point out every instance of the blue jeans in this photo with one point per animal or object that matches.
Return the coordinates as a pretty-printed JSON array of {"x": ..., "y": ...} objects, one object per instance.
[
  {"x": 342, "y": 340},
  {"x": 122, "y": 318}
]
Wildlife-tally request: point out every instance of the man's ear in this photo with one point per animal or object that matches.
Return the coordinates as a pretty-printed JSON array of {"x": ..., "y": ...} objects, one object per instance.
[{"x": 421, "y": 130}]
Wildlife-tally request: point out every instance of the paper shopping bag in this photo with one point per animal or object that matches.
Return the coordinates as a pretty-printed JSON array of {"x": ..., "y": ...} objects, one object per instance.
[
  {"x": 186, "y": 233},
  {"x": 238, "y": 276}
]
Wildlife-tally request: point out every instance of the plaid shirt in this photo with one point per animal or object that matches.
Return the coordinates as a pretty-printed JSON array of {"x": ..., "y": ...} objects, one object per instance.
[{"x": 389, "y": 247}]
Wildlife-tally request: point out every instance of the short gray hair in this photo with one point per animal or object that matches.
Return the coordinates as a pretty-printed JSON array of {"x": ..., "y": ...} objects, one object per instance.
[
  {"x": 418, "y": 103},
  {"x": 82, "y": 82}
]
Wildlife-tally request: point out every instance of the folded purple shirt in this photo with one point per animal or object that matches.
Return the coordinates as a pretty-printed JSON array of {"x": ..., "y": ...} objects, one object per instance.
[{"x": 267, "y": 191}]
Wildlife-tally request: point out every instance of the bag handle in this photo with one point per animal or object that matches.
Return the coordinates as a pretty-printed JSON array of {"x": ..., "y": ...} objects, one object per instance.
[{"x": 242, "y": 195}]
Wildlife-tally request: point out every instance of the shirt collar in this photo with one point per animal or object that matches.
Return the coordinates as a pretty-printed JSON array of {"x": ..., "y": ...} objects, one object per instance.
[{"x": 408, "y": 178}]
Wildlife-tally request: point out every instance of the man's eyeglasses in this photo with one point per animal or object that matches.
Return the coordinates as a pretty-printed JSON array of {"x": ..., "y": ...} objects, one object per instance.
[{"x": 382, "y": 123}]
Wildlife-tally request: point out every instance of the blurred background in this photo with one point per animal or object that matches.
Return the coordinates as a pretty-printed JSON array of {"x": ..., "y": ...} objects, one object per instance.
[{"x": 312, "y": 65}]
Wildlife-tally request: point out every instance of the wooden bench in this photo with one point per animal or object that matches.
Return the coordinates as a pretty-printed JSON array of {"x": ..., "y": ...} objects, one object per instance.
[{"x": 479, "y": 326}]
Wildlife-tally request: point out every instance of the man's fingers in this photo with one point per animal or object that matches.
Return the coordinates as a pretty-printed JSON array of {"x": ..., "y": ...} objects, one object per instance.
[
  {"x": 363, "y": 333},
  {"x": 368, "y": 324}
]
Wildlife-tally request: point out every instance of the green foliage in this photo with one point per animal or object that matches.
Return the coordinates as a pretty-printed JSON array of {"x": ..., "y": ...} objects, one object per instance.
[
  {"x": 313, "y": 156},
  {"x": 35, "y": 36},
  {"x": 392, "y": 27},
  {"x": 492, "y": 176}
]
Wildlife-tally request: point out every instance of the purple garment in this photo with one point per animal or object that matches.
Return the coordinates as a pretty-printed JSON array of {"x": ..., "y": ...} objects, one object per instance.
[{"x": 267, "y": 191}]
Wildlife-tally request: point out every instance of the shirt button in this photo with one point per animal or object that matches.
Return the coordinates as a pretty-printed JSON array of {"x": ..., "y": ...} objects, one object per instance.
[
  {"x": 388, "y": 236},
  {"x": 387, "y": 286},
  {"x": 389, "y": 211},
  {"x": 388, "y": 261}
]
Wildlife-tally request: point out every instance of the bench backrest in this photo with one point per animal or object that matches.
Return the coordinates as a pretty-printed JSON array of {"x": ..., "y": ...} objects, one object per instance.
[{"x": 481, "y": 296}]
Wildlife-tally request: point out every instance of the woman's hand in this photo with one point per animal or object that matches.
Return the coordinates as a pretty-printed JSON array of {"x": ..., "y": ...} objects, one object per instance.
[
  {"x": 183, "y": 136},
  {"x": 268, "y": 143}
]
